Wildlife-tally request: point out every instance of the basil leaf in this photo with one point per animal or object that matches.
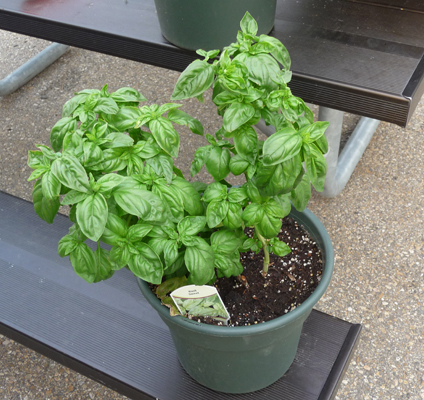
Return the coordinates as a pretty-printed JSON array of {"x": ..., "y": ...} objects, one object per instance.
[
  {"x": 246, "y": 143},
  {"x": 71, "y": 105},
  {"x": 172, "y": 199},
  {"x": 69, "y": 171},
  {"x": 163, "y": 165},
  {"x": 280, "y": 249},
  {"x": 195, "y": 79},
  {"x": 191, "y": 225},
  {"x": 200, "y": 157},
  {"x": 170, "y": 252},
  {"x": 249, "y": 25},
  {"x": 279, "y": 52},
  {"x": 127, "y": 94},
  {"x": 118, "y": 139},
  {"x": 157, "y": 244},
  {"x": 238, "y": 165},
  {"x": 126, "y": 118},
  {"x": 115, "y": 230},
  {"x": 165, "y": 135},
  {"x": 50, "y": 186},
  {"x": 281, "y": 146},
  {"x": 199, "y": 261},
  {"x": 182, "y": 118},
  {"x": 106, "y": 105},
  {"x": 263, "y": 69},
  {"x": 316, "y": 168},
  {"x": 67, "y": 245},
  {"x": 313, "y": 132},
  {"x": 146, "y": 264},
  {"x": 109, "y": 181},
  {"x": 59, "y": 130},
  {"x": 218, "y": 162},
  {"x": 227, "y": 267},
  {"x": 253, "y": 214},
  {"x": 120, "y": 256},
  {"x": 132, "y": 200},
  {"x": 92, "y": 216},
  {"x": 274, "y": 209},
  {"x": 104, "y": 266},
  {"x": 92, "y": 154},
  {"x": 191, "y": 197},
  {"x": 216, "y": 212},
  {"x": 84, "y": 262},
  {"x": 215, "y": 191},
  {"x": 233, "y": 219},
  {"x": 138, "y": 232},
  {"x": 46, "y": 209},
  {"x": 225, "y": 241},
  {"x": 269, "y": 226},
  {"x": 237, "y": 115},
  {"x": 237, "y": 195}
]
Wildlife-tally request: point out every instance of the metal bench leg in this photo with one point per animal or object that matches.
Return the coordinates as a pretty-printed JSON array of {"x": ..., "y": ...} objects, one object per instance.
[
  {"x": 31, "y": 68},
  {"x": 340, "y": 168}
]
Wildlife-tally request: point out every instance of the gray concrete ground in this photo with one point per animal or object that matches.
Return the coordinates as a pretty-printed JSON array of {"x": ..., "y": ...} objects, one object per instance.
[{"x": 375, "y": 224}]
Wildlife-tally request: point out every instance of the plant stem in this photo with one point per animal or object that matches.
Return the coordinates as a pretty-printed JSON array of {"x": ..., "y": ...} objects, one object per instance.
[{"x": 266, "y": 252}]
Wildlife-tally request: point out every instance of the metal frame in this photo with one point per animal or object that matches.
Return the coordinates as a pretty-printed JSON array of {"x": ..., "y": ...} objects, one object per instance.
[{"x": 31, "y": 68}]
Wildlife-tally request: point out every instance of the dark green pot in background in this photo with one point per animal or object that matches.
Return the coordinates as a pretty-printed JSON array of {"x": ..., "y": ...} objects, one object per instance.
[
  {"x": 210, "y": 24},
  {"x": 248, "y": 358}
]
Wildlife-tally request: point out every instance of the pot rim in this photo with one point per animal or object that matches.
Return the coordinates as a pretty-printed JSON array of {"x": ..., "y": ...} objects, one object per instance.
[{"x": 309, "y": 220}]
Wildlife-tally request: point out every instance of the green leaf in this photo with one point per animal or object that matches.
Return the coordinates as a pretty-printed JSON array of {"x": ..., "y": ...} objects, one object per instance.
[
  {"x": 263, "y": 69},
  {"x": 71, "y": 105},
  {"x": 253, "y": 214},
  {"x": 92, "y": 154},
  {"x": 172, "y": 197},
  {"x": 132, "y": 200},
  {"x": 237, "y": 115},
  {"x": 316, "y": 167},
  {"x": 279, "y": 52},
  {"x": 69, "y": 171},
  {"x": 106, "y": 105},
  {"x": 322, "y": 144},
  {"x": 218, "y": 162},
  {"x": 225, "y": 241},
  {"x": 233, "y": 219},
  {"x": 138, "y": 232},
  {"x": 227, "y": 267},
  {"x": 191, "y": 225},
  {"x": 280, "y": 249},
  {"x": 120, "y": 256},
  {"x": 146, "y": 264},
  {"x": 118, "y": 139},
  {"x": 127, "y": 94},
  {"x": 109, "y": 181},
  {"x": 165, "y": 135},
  {"x": 248, "y": 24},
  {"x": 36, "y": 160},
  {"x": 170, "y": 252},
  {"x": 191, "y": 197},
  {"x": 217, "y": 210},
  {"x": 84, "y": 262},
  {"x": 92, "y": 216},
  {"x": 46, "y": 209},
  {"x": 195, "y": 79},
  {"x": 237, "y": 195},
  {"x": 104, "y": 267},
  {"x": 215, "y": 191},
  {"x": 50, "y": 186},
  {"x": 59, "y": 130},
  {"x": 238, "y": 165},
  {"x": 284, "y": 203},
  {"x": 182, "y": 118},
  {"x": 246, "y": 143},
  {"x": 269, "y": 226},
  {"x": 313, "y": 132},
  {"x": 115, "y": 230},
  {"x": 200, "y": 157},
  {"x": 163, "y": 165},
  {"x": 126, "y": 118},
  {"x": 273, "y": 208},
  {"x": 199, "y": 261},
  {"x": 67, "y": 245},
  {"x": 281, "y": 146}
]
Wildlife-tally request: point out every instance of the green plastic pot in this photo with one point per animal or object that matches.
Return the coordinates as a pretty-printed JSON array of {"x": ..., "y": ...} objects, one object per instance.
[
  {"x": 210, "y": 24},
  {"x": 248, "y": 358}
]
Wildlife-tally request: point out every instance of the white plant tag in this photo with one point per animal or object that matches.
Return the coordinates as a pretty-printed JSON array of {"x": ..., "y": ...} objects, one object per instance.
[{"x": 200, "y": 301}]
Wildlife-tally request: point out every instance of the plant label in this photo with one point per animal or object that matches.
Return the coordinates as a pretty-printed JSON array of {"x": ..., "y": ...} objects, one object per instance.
[{"x": 200, "y": 301}]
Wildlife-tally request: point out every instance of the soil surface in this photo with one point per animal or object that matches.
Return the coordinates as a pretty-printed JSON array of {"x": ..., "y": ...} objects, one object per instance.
[{"x": 290, "y": 280}]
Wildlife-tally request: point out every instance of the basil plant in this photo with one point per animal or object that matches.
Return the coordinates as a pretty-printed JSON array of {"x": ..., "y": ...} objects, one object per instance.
[
  {"x": 249, "y": 80},
  {"x": 112, "y": 162}
]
